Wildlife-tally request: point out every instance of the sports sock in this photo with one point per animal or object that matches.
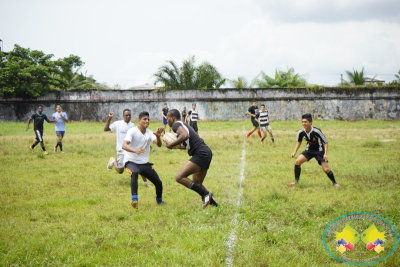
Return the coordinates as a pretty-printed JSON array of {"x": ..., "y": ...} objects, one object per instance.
[
  {"x": 259, "y": 134},
  {"x": 297, "y": 171},
  {"x": 249, "y": 133},
  {"x": 159, "y": 199},
  {"x": 197, "y": 189},
  {"x": 33, "y": 146},
  {"x": 272, "y": 138},
  {"x": 262, "y": 139},
  {"x": 43, "y": 148},
  {"x": 331, "y": 177},
  {"x": 60, "y": 146},
  {"x": 135, "y": 198}
]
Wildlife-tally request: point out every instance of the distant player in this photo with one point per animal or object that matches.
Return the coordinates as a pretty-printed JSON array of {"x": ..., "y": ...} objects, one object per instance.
[
  {"x": 193, "y": 116},
  {"x": 136, "y": 159},
  {"x": 200, "y": 162},
  {"x": 253, "y": 112},
  {"x": 317, "y": 147},
  {"x": 120, "y": 127},
  {"x": 61, "y": 118},
  {"x": 38, "y": 120},
  {"x": 184, "y": 113},
  {"x": 263, "y": 120},
  {"x": 164, "y": 113}
]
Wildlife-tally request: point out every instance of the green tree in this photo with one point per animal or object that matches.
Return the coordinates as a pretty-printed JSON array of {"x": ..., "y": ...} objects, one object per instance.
[
  {"x": 281, "y": 79},
  {"x": 397, "y": 76},
  {"x": 28, "y": 74},
  {"x": 239, "y": 83},
  {"x": 355, "y": 77},
  {"x": 188, "y": 76}
]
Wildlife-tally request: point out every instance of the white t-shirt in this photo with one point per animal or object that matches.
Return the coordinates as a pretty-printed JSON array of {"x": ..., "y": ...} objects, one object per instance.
[
  {"x": 138, "y": 140},
  {"x": 120, "y": 128}
]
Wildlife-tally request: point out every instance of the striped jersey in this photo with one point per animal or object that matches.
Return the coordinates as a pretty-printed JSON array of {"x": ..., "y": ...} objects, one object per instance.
[
  {"x": 315, "y": 139},
  {"x": 193, "y": 115},
  {"x": 263, "y": 118}
]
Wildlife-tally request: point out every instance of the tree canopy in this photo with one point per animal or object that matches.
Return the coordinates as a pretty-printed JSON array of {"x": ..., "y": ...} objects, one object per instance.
[
  {"x": 26, "y": 73},
  {"x": 188, "y": 76},
  {"x": 281, "y": 79}
]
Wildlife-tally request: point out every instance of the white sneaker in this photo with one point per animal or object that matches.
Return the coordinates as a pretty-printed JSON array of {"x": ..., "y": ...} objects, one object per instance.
[
  {"x": 336, "y": 185},
  {"x": 110, "y": 164},
  {"x": 147, "y": 185}
]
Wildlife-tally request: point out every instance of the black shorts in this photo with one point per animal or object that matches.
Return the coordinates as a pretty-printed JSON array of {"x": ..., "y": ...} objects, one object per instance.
[
  {"x": 202, "y": 157},
  {"x": 318, "y": 155},
  {"x": 194, "y": 126},
  {"x": 255, "y": 123},
  {"x": 39, "y": 135}
]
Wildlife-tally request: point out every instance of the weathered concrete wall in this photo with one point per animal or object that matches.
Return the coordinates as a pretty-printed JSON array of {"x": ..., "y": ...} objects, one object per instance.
[{"x": 221, "y": 104}]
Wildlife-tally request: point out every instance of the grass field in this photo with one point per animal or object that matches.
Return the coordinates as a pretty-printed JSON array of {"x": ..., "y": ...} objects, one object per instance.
[{"x": 67, "y": 209}]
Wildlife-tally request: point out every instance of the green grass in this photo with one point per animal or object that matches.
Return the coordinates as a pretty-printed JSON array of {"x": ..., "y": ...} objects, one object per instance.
[{"x": 68, "y": 210}]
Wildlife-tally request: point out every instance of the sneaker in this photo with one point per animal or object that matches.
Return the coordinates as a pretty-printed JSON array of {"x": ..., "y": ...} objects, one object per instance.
[
  {"x": 46, "y": 153},
  {"x": 32, "y": 149},
  {"x": 62, "y": 152},
  {"x": 148, "y": 185},
  {"x": 134, "y": 204},
  {"x": 291, "y": 184},
  {"x": 110, "y": 164},
  {"x": 207, "y": 200},
  {"x": 162, "y": 203},
  {"x": 336, "y": 185},
  {"x": 262, "y": 141},
  {"x": 55, "y": 149}
]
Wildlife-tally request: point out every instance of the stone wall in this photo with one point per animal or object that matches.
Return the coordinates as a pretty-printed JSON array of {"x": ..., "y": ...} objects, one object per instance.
[{"x": 218, "y": 104}]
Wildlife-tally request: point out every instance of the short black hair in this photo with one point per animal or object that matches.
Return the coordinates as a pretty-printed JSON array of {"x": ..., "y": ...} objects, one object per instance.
[
  {"x": 58, "y": 104},
  {"x": 175, "y": 114},
  {"x": 262, "y": 105},
  {"x": 127, "y": 109},
  {"x": 253, "y": 101},
  {"x": 143, "y": 114},
  {"x": 307, "y": 116},
  {"x": 40, "y": 105}
]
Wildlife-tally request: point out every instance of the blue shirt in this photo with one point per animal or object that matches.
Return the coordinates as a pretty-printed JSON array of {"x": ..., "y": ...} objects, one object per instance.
[{"x": 60, "y": 124}]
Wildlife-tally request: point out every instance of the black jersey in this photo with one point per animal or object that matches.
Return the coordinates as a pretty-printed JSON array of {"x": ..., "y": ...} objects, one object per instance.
[
  {"x": 184, "y": 114},
  {"x": 38, "y": 121},
  {"x": 195, "y": 142},
  {"x": 165, "y": 111},
  {"x": 254, "y": 111},
  {"x": 315, "y": 139}
]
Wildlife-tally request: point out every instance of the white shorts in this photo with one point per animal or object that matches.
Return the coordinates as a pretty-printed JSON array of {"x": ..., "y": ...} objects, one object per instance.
[
  {"x": 266, "y": 128},
  {"x": 120, "y": 159}
]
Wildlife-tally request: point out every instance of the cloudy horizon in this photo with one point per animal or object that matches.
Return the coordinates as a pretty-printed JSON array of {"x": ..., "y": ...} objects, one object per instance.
[{"x": 124, "y": 42}]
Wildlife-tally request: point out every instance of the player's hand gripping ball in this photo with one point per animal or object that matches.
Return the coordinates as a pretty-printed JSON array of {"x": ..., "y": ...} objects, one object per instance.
[{"x": 171, "y": 137}]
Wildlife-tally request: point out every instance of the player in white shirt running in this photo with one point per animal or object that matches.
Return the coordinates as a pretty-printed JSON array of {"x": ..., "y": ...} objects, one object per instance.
[
  {"x": 120, "y": 127},
  {"x": 136, "y": 156},
  {"x": 61, "y": 118}
]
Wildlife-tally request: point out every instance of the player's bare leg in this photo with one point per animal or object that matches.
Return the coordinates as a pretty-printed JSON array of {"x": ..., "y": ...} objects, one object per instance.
[{"x": 329, "y": 173}]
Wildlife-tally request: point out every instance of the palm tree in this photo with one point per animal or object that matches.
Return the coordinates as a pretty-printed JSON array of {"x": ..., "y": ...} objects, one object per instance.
[
  {"x": 355, "y": 77},
  {"x": 239, "y": 83},
  {"x": 188, "y": 76},
  {"x": 281, "y": 79}
]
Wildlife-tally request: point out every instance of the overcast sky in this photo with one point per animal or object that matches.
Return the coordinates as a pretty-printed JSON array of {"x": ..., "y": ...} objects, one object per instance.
[{"x": 125, "y": 41}]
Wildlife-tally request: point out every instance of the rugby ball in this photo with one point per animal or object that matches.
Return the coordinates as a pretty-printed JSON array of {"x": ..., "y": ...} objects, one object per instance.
[{"x": 171, "y": 137}]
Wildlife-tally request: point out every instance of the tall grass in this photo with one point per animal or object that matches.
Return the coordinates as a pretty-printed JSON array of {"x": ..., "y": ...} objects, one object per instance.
[{"x": 66, "y": 209}]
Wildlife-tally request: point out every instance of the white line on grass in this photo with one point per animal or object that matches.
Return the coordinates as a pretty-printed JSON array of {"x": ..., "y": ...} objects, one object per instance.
[{"x": 232, "y": 236}]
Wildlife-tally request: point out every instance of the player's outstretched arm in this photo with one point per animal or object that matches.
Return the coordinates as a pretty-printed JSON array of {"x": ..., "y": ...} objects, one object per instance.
[
  {"x": 295, "y": 149},
  {"x": 158, "y": 133},
  {"x": 107, "y": 126},
  {"x": 29, "y": 121},
  {"x": 51, "y": 121},
  {"x": 326, "y": 152}
]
